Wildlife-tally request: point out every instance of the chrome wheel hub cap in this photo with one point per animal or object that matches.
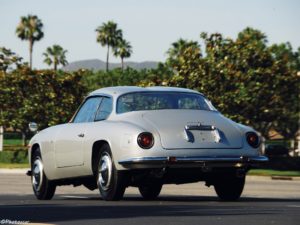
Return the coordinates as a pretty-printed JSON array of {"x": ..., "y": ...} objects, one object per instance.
[
  {"x": 105, "y": 171},
  {"x": 37, "y": 174}
]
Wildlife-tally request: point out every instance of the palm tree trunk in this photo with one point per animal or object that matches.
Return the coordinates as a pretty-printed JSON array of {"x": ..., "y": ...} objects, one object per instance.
[
  {"x": 122, "y": 61},
  {"x": 107, "y": 58},
  {"x": 30, "y": 53}
]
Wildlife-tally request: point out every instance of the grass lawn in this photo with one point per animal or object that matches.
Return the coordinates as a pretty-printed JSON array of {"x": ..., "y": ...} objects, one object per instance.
[
  {"x": 264, "y": 172},
  {"x": 14, "y": 165},
  {"x": 12, "y": 142},
  {"x": 13, "y": 145}
]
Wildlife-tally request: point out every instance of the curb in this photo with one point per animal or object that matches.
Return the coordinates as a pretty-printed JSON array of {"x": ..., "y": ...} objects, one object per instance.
[
  {"x": 285, "y": 178},
  {"x": 14, "y": 171}
]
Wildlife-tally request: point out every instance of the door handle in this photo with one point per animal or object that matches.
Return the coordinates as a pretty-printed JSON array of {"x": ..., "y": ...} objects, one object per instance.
[{"x": 81, "y": 135}]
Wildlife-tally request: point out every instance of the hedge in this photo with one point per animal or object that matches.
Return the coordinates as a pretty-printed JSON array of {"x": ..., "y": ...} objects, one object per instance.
[{"x": 19, "y": 156}]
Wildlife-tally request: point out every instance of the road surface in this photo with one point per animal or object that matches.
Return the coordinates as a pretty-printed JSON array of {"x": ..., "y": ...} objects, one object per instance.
[{"x": 264, "y": 201}]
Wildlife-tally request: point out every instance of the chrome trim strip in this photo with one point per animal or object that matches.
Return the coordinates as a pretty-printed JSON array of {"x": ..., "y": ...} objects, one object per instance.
[{"x": 176, "y": 160}]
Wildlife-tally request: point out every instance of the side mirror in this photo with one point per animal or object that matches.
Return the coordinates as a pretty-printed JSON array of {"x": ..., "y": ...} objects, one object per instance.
[{"x": 33, "y": 127}]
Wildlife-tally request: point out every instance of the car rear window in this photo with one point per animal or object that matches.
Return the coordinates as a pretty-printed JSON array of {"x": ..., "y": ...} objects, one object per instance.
[{"x": 140, "y": 101}]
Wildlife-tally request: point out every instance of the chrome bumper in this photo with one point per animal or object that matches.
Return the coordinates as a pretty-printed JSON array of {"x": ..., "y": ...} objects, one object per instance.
[{"x": 147, "y": 162}]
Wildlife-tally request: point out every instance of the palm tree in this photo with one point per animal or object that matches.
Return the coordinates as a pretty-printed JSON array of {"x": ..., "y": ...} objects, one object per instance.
[
  {"x": 30, "y": 28},
  {"x": 123, "y": 50},
  {"x": 180, "y": 46},
  {"x": 55, "y": 55},
  {"x": 108, "y": 35}
]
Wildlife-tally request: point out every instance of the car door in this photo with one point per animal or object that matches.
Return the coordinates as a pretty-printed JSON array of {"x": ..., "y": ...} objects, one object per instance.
[
  {"x": 103, "y": 112},
  {"x": 69, "y": 143}
]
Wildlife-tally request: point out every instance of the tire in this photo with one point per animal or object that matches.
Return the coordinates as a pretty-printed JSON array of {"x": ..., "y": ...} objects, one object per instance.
[
  {"x": 111, "y": 182},
  {"x": 150, "y": 191},
  {"x": 43, "y": 188},
  {"x": 229, "y": 187}
]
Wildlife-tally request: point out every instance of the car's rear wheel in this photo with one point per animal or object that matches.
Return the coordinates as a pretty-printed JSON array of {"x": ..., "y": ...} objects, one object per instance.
[
  {"x": 150, "y": 191},
  {"x": 229, "y": 187},
  {"x": 111, "y": 182},
  {"x": 43, "y": 188}
]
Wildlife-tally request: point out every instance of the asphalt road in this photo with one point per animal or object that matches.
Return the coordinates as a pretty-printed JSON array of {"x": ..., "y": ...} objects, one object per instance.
[{"x": 264, "y": 201}]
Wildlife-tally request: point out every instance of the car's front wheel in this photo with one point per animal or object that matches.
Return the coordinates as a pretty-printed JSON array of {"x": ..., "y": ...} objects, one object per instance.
[
  {"x": 111, "y": 182},
  {"x": 229, "y": 187},
  {"x": 43, "y": 188}
]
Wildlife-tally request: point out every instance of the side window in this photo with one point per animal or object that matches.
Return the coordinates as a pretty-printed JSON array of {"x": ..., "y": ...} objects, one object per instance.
[
  {"x": 104, "y": 109},
  {"x": 88, "y": 110}
]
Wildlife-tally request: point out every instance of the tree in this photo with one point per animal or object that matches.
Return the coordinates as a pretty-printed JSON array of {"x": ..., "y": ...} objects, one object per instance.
[
  {"x": 177, "y": 49},
  {"x": 246, "y": 80},
  {"x": 30, "y": 29},
  {"x": 160, "y": 76},
  {"x": 288, "y": 63},
  {"x": 43, "y": 96},
  {"x": 244, "y": 73},
  {"x": 123, "y": 50},
  {"x": 108, "y": 35},
  {"x": 184, "y": 59},
  {"x": 55, "y": 55},
  {"x": 9, "y": 60},
  {"x": 115, "y": 77}
]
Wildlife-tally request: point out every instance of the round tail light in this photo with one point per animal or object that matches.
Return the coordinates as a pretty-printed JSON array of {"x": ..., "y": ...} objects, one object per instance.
[
  {"x": 145, "y": 140},
  {"x": 252, "y": 139}
]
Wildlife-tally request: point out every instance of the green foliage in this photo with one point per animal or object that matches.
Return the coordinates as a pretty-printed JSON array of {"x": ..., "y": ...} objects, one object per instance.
[
  {"x": 43, "y": 96},
  {"x": 14, "y": 156},
  {"x": 187, "y": 67},
  {"x": 288, "y": 64},
  {"x": 55, "y": 55},
  {"x": 12, "y": 136},
  {"x": 242, "y": 71},
  {"x": 9, "y": 60},
  {"x": 116, "y": 77},
  {"x": 30, "y": 28},
  {"x": 245, "y": 79},
  {"x": 14, "y": 165},
  {"x": 12, "y": 141},
  {"x": 157, "y": 77},
  {"x": 176, "y": 52},
  {"x": 123, "y": 49}
]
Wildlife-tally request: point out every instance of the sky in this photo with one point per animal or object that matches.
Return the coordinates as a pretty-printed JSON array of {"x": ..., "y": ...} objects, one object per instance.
[{"x": 150, "y": 26}]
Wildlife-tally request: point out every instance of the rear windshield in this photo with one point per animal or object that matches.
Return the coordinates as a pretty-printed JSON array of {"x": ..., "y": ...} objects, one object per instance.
[{"x": 162, "y": 100}]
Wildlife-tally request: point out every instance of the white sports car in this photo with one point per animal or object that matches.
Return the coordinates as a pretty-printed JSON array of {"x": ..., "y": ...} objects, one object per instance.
[{"x": 144, "y": 137}]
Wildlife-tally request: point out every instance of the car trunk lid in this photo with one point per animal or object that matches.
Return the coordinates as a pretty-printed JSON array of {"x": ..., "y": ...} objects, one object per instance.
[{"x": 194, "y": 129}]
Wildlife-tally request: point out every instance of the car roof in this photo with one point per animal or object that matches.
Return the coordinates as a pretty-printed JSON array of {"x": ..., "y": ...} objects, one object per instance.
[{"x": 120, "y": 90}]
